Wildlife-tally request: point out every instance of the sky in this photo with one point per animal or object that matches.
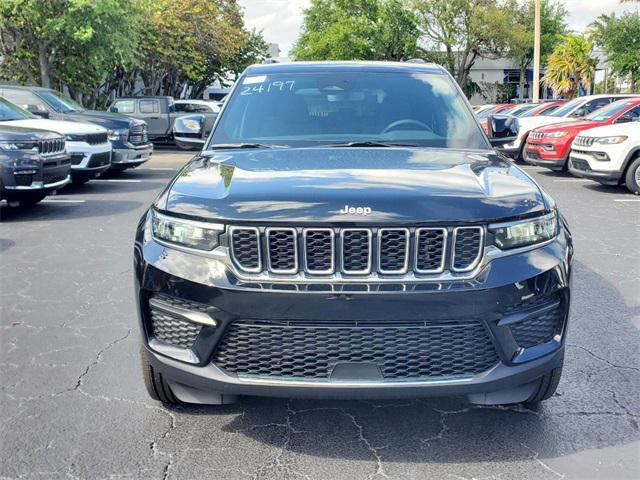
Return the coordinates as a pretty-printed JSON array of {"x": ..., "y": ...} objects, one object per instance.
[{"x": 280, "y": 20}]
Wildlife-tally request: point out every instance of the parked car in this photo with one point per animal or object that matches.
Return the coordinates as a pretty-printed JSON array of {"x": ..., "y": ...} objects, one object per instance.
[
  {"x": 128, "y": 137},
  {"x": 609, "y": 155},
  {"x": 87, "y": 143},
  {"x": 33, "y": 164},
  {"x": 544, "y": 108},
  {"x": 160, "y": 113},
  {"x": 549, "y": 146},
  {"x": 391, "y": 252},
  {"x": 576, "y": 108},
  {"x": 515, "y": 111},
  {"x": 493, "y": 109}
]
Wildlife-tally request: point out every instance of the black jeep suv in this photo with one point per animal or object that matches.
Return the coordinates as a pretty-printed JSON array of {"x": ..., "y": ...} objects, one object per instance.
[
  {"x": 33, "y": 164},
  {"x": 349, "y": 232}
]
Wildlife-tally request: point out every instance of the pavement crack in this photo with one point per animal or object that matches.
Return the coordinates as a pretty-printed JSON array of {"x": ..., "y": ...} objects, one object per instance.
[
  {"x": 604, "y": 360},
  {"x": 374, "y": 450}
]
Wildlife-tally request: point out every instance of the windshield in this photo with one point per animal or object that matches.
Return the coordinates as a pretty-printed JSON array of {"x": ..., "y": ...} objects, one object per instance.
[
  {"x": 605, "y": 113},
  {"x": 520, "y": 111},
  {"x": 9, "y": 111},
  {"x": 309, "y": 109},
  {"x": 60, "y": 102},
  {"x": 567, "y": 108}
]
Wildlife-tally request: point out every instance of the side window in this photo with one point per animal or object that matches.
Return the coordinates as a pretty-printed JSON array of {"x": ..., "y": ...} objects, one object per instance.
[
  {"x": 593, "y": 105},
  {"x": 149, "y": 106},
  {"x": 25, "y": 99},
  {"x": 199, "y": 108},
  {"x": 124, "y": 106},
  {"x": 632, "y": 115},
  {"x": 181, "y": 107}
]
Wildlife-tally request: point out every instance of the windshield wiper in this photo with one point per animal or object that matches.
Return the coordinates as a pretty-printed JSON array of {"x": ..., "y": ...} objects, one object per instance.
[
  {"x": 220, "y": 146},
  {"x": 368, "y": 143}
]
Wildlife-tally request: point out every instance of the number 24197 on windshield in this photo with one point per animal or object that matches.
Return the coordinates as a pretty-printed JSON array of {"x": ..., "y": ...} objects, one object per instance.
[{"x": 269, "y": 87}]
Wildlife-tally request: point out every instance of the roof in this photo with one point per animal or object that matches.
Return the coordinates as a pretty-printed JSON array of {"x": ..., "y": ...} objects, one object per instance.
[
  {"x": 346, "y": 66},
  {"x": 24, "y": 87}
]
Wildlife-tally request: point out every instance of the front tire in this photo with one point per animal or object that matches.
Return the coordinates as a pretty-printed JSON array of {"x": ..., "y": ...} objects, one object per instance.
[
  {"x": 547, "y": 386},
  {"x": 632, "y": 178},
  {"x": 157, "y": 387}
]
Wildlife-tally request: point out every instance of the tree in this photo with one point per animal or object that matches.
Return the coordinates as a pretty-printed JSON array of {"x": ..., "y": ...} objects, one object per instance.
[
  {"x": 68, "y": 41},
  {"x": 619, "y": 37},
  {"x": 357, "y": 30},
  {"x": 570, "y": 66},
  {"x": 552, "y": 28},
  {"x": 457, "y": 32}
]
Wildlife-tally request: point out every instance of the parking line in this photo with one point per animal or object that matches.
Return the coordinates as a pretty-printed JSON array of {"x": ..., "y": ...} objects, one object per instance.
[
  {"x": 61, "y": 200},
  {"x": 158, "y": 168},
  {"x": 626, "y": 199},
  {"x": 560, "y": 180},
  {"x": 116, "y": 180}
]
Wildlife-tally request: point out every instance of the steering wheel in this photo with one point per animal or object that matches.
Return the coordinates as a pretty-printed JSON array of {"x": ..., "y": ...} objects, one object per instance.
[{"x": 406, "y": 121}]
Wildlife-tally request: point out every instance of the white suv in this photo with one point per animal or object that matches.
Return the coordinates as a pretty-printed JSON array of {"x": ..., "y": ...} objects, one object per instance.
[
  {"x": 576, "y": 108},
  {"x": 609, "y": 155}
]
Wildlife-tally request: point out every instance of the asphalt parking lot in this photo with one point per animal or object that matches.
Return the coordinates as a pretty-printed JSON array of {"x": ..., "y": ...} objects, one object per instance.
[{"x": 73, "y": 404}]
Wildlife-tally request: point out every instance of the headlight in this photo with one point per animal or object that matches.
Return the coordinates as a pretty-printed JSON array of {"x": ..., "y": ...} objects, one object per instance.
[
  {"x": 611, "y": 140},
  {"x": 115, "y": 135},
  {"x": 189, "y": 124},
  {"x": 185, "y": 233},
  {"x": 526, "y": 232},
  {"x": 17, "y": 145},
  {"x": 75, "y": 138},
  {"x": 555, "y": 134}
]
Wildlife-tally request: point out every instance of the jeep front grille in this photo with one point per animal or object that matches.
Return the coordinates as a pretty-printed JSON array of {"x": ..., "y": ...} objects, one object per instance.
[
  {"x": 51, "y": 146},
  {"x": 311, "y": 350},
  {"x": 357, "y": 252},
  {"x": 536, "y": 135},
  {"x": 583, "y": 141}
]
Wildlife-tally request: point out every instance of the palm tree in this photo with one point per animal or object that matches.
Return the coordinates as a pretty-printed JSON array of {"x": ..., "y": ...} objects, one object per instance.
[{"x": 570, "y": 66}]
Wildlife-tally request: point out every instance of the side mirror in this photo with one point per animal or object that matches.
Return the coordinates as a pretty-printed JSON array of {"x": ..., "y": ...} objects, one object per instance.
[
  {"x": 39, "y": 111},
  {"x": 624, "y": 119},
  {"x": 188, "y": 132},
  {"x": 502, "y": 129}
]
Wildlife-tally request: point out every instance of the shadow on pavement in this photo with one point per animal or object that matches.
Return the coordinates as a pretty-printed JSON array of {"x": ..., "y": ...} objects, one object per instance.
[{"x": 68, "y": 211}]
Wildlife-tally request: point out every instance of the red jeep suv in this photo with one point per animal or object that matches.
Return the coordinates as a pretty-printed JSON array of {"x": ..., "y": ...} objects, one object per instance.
[{"x": 550, "y": 146}]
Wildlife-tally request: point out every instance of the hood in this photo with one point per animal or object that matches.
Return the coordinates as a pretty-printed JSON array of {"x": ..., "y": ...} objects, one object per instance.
[
  {"x": 59, "y": 126},
  {"x": 108, "y": 120},
  {"x": 569, "y": 125},
  {"x": 630, "y": 129},
  {"x": 20, "y": 134},
  {"x": 399, "y": 185},
  {"x": 529, "y": 123}
]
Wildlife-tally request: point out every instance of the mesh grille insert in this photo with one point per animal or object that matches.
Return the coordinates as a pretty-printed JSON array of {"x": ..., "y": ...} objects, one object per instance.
[
  {"x": 245, "y": 246},
  {"x": 283, "y": 255},
  {"x": 467, "y": 247},
  {"x": 319, "y": 250},
  {"x": 304, "y": 350},
  {"x": 393, "y": 247},
  {"x": 539, "y": 329},
  {"x": 430, "y": 247},
  {"x": 356, "y": 251},
  {"x": 172, "y": 330}
]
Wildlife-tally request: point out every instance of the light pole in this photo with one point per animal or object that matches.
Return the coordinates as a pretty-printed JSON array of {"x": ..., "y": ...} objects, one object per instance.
[{"x": 536, "y": 54}]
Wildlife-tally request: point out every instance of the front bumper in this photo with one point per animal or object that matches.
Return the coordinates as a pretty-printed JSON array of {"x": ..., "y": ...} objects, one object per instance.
[
  {"x": 124, "y": 158},
  {"x": 89, "y": 160},
  {"x": 24, "y": 174},
  {"x": 579, "y": 166},
  {"x": 532, "y": 157},
  {"x": 492, "y": 298}
]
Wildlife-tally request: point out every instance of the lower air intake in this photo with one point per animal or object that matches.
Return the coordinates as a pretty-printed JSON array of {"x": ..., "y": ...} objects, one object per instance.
[{"x": 402, "y": 351}]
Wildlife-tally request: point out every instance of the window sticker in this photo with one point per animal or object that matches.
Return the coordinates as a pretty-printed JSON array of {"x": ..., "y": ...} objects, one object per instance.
[{"x": 254, "y": 79}]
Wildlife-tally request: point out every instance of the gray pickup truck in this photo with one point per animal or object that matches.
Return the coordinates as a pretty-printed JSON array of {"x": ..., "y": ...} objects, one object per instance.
[{"x": 161, "y": 114}]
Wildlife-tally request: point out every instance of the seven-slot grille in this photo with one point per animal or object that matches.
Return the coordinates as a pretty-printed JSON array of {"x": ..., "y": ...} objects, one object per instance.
[
  {"x": 51, "y": 146},
  {"x": 355, "y": 251},
  {"x": 584, "y": 141},
  {"x": 536, "y": 135},
  {"x": 138, "y": 134}
]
